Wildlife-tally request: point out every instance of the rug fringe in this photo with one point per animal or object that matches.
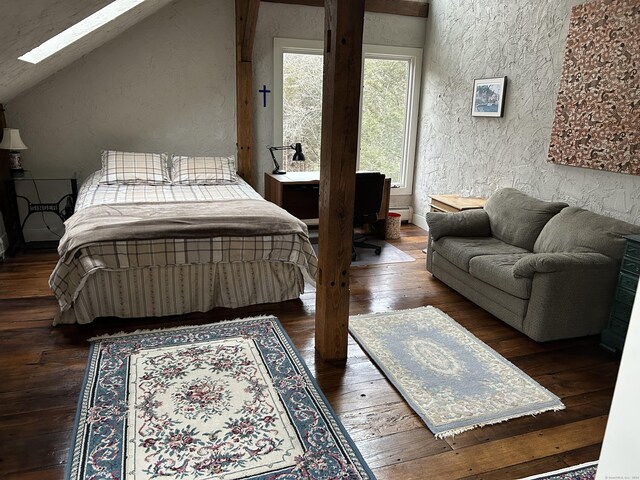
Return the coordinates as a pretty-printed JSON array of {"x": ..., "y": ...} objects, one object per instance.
[
  {"x": 388, "y": 312},
  {"x": 574, "y": 468},
  {"x": 456, "y": 431},
  {"x": 181, "y": 327}
]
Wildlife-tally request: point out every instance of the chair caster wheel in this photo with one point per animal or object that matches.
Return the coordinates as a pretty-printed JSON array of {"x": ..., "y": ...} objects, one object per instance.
[{"x": 378, "y": 250}]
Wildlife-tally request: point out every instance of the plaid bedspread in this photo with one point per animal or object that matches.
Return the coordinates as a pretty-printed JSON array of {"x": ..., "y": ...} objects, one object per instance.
[{"x": 71, "y": 272}]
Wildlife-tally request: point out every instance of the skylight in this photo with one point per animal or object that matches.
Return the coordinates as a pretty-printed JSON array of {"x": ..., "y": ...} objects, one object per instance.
[{"x": 79, "y": 30}]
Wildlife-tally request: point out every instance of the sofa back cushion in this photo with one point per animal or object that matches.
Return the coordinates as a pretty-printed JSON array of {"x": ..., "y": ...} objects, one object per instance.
[
  {"x": 578, "y": 230},
  {"x": 517, "y": 219}
]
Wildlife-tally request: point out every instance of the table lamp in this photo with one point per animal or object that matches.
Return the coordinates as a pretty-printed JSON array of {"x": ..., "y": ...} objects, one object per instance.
[
  {"x": 297, "y": 157},
  {"x": 11, "y": 141}
]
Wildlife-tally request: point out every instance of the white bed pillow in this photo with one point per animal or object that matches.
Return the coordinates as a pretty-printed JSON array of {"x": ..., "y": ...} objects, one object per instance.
[
  {"x": 133, "y": 168},
  {"x": 203, "y": 170}
]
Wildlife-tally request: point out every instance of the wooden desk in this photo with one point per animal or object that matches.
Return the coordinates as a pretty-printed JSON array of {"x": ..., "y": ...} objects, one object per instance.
[
  {"x": 455, "y": 203},
  {"x": 299, "y": 194}
]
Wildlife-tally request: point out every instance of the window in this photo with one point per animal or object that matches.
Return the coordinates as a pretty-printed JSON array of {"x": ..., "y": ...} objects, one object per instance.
[
  {"x": 81, "y": 29},
  {"x": 389, "y": 107}
]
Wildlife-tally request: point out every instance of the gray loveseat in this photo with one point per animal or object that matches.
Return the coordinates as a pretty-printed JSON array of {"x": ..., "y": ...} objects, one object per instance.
[{"x": 546, "y": 269}]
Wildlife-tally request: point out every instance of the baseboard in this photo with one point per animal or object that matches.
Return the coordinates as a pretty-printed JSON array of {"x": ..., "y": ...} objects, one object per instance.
[
  {"x": 420, "y": 221},
  {"x": 406, "y": 213}
]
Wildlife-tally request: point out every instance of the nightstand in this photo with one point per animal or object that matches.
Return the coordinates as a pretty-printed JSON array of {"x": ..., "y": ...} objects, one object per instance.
[
  {"x": 614, "y": 335},
  {"x": 455, "y": 203},
  {"x": 28, "y": 195}
]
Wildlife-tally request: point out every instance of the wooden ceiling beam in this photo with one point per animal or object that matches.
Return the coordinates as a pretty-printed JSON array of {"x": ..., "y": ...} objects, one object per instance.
[
  {"x": 250, "y": 22},
  {"x": 393, "y": 7}
]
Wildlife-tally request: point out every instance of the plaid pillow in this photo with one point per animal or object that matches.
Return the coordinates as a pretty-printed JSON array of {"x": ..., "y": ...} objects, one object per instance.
[
  {"x": 131, "y": 168},
  {"x": 204, "y": 170}
]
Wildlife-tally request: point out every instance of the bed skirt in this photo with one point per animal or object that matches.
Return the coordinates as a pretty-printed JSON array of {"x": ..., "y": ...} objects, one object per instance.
[{"x": 179, "y": 289}]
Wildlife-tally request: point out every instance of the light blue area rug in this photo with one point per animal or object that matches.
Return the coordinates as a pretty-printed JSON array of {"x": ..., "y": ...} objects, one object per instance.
[
  {"x": 231, "y": 400},
  {"x": 586, "y": 471},
  {"x": 451, "y": 379}
]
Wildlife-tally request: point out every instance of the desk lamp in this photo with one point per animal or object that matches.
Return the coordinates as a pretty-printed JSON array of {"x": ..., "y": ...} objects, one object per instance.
[
  {"x": 298, "y": 156},
  {"x": 11, "y": 141}
]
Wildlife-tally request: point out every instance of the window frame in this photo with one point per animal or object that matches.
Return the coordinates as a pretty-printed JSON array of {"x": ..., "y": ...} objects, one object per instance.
[{"x": 412, "y": 55}]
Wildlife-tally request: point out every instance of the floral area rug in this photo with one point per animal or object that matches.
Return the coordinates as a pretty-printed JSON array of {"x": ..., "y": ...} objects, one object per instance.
[
  {"x": 586, "y": 471},
  {"x": 229, "y": 400},
  {"x": 452, "y": 380}
]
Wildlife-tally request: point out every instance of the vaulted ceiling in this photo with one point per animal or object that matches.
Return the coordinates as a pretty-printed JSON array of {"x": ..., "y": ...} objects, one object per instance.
[{"x": 26, "y": 24}]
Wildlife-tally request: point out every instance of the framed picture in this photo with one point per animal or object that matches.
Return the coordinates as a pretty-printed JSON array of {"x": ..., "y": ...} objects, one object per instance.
[{"x": 488, "y": 97}]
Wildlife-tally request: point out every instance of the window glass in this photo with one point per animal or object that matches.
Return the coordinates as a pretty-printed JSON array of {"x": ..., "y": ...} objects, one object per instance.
[
  {"x": 302, "y": 109},
  {"x": 389, "y": 101},
  {"x": 384, "y": 116}
]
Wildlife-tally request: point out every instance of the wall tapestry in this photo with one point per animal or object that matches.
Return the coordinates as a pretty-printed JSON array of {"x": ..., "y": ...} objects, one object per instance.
[{"x": 597, "y": 115}]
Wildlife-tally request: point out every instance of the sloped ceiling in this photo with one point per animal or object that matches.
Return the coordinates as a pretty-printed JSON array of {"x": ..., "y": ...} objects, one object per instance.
[{"x": 26, "y": 24}]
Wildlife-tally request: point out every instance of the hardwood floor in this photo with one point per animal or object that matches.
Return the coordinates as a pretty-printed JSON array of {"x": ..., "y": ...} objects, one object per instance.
[{"x": 41, "y": 371}]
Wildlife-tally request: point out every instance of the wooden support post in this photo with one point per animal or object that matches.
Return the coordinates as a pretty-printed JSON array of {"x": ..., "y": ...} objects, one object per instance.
[
  {"x": 340, "y": 116},
  {"x": 246, "y": 19}
]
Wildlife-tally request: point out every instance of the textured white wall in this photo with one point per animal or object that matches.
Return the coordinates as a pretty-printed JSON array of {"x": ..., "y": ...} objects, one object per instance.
[
  {"x": 167, "y": 84},
  {"x": 523, "y": 40},
  {"x": 307, "y": 23}
]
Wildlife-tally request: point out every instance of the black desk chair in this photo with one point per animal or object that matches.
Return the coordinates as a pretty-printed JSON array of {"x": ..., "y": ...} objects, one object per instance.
[{"x": 369, "y": 191}]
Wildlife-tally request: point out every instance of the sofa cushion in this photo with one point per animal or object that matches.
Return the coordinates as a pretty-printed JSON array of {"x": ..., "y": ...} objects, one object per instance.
[
  {"x": 517, "y": 218},
  {"x": 503, "y": 305},
  {"x": 578, "y": 230},
  {"x": 577, "y": 262},
  {"x": 460, "y": 250},
  {"x": 469, "y": 223},
  {"x": 497, "y": 270}
]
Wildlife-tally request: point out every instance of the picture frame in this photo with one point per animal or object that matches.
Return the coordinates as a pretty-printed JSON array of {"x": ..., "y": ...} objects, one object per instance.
[{"x": 488, "y": 97}]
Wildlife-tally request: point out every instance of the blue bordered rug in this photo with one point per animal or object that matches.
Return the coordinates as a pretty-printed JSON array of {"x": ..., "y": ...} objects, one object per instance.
[
  {"x": 452, "y": 380},
  {"x": 228, "y": 400},
  {"x": 585, "y": 471}
]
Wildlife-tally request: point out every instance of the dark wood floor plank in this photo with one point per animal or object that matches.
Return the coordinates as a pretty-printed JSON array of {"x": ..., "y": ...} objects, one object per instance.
[
  {"x": 380, "y": 421},
  {"x": 51, "y": 473},
  {"x": 34, "y": 453},
  {"x": 399, "y": 447},
  {"x": 578, "y": 407},
  {"x": 499, "y": 454},
  {"x": 582, "y": 455},
  {"x": 522, "y": 470},
  {"x": 42, "y": 368}
]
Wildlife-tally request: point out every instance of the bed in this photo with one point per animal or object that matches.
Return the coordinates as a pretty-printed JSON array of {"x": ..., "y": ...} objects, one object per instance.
[{"x": 145, "y": 250}]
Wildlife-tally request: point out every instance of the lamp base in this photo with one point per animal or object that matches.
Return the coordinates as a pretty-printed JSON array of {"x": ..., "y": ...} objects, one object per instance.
[
  {"x": 14, "y": 161},
  {"x": 277, "y": 171}
]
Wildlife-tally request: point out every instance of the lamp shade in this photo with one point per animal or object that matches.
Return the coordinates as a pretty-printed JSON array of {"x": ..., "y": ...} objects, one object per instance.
[
  {"x": 11, "y": 140},
  {"x": 298, "y": 156}
]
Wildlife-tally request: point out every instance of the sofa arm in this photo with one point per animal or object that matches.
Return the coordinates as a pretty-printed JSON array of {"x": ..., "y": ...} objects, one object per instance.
[
  {"x": 561, "y": 262},
  {"x": 469, "y": 223}
]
